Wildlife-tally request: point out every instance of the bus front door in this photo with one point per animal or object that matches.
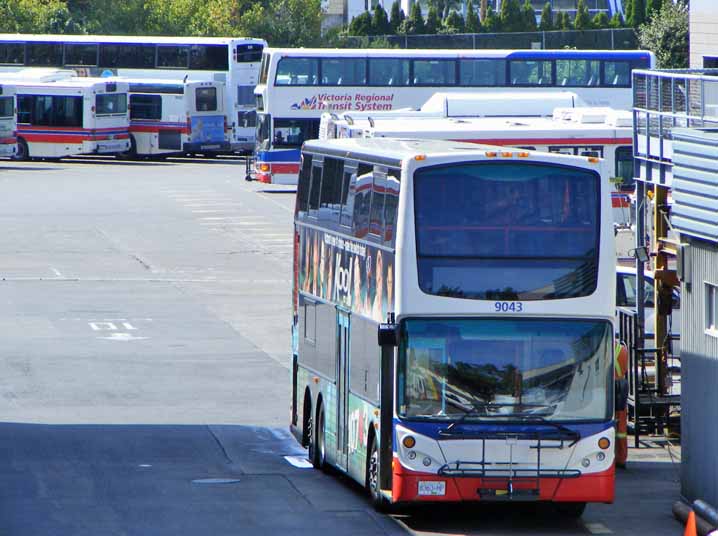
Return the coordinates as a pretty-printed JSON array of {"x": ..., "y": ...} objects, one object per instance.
[{"x": 342, "y": 386}]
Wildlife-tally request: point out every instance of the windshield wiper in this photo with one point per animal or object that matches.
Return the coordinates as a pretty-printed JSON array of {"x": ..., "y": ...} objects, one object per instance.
[
  {"x": 573, "y": 434},
  {"x": 477, "y": 407}
]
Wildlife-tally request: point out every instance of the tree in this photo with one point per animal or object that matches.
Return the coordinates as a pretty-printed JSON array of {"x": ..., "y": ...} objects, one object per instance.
[
  {"x": 380, "y": 21},
  {"x": 362, "y": 24},
  {"x": 472, "y": 19},
  {"x": 667, "y": 36},
  {"x": 397, "y": 16},
  {"x": 600, "y": 21},
  {"x": 583, "y": 18},
  {"x": 529, "y": 17},
  {"x": 511, "y": 19},
  {"x": 491, "y": 22},
  {"x": 454, "y": 23},
  {"x": 565, "y": 21},
  {"x": 483, "y": 8},
  {"x": 31, "y": 16},
  {"x": 546, "y": 24},
  {"x": 616, "y": 21},
  {"x": 638, "y": 13},
  {"x": 295, "y": 23},
  {"x": 653, "y": 8},
  {"x": 433, "y": 22},
  {"x": 415, "y": 22},
  {"x": 627, "y": 8}
]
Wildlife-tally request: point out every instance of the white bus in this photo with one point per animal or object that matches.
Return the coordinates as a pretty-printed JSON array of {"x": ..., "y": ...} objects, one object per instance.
[
  {"x": 8, "y": 121},
  {"x": 601, "y": 132},
  {"x": 232, "y": 61},
  {"x": 176, "y": 117},
  {"x": 71, "y": 117},
  {"x": 489, "y": 275},
  {"x": 297, "y": 85}
]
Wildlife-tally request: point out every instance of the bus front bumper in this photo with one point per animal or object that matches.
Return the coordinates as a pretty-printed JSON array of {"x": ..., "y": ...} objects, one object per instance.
[
  {"x": 412, "y": 486},
  {"x": 204, "y": 147}
]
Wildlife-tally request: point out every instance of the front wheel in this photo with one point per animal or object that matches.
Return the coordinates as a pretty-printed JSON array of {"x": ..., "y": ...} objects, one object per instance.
[
  {"x": 22, "y": 151},
  {"x": 572, "y": 510},
  {"x": 318, "y": 453},
  {"x": 372, "y": 479}
]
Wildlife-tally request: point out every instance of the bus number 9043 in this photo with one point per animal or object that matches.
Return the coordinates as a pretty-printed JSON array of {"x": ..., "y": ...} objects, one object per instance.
[{"x": 508, "y": 307}]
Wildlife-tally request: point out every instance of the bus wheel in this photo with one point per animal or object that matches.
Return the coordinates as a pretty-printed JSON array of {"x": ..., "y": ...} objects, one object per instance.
[
  {"x": 22, "y": 151},
  {"x": 131, "y": 153},
  {"x": 572, "y": 510},
  {"x": 372, "y": 479},
  {"x": 319, "y": 453}
]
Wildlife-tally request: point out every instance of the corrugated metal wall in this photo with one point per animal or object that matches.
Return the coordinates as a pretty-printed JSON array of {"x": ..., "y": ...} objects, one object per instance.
[{"x": 699, "y": 379}]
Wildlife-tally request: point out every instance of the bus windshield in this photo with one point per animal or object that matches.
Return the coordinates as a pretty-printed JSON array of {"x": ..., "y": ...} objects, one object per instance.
[
  {"x": 482, "y": 369},
  {"x": 507, "y": 231},
  {"x": 7, "y": 107}
]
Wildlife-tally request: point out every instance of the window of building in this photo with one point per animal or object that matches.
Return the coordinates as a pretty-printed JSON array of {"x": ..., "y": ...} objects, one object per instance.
[{"x": 711, "y": 305}]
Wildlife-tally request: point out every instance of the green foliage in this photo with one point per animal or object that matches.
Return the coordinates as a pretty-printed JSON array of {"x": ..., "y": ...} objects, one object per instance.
[
  {"x": 491, "y": 22},
  {"x": 483, "y": 8},
  {"x": 627, "y": 9},
  {"x": 638, "y": 13},
  {"x": 546, "y": 24},
  {"x": 667, "y": 36},
  {"x": 653, "y": 8},
  {"x": 397, "y": 16},
  {"x": 529, "y": 17},
  {"x": 284, "y": 22},
  {"x": 511, "y": 18},
  {"x": 31, "y": 16},
  {"x": 472, "y": 19},
  {"x": 454, "y": 23},
  {"x": 361, "y": 24},
  {"x": 582, "y": 21},
  {"x": 563, "y": 21},
  {"x": 415, "y": 23},
  {"x": 616, "y": 21},
  {"x": 600, "y": 21},
  {"x": 380, "y": 21},
  {"x": 433, "y": 22}
]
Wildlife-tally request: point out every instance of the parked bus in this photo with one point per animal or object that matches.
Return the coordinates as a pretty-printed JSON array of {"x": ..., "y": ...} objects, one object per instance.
[
  {"x": 71, "y": 117},
  {"x": 453, "y": 321},
  {"x": 176, "y": 117},
  {"x": 585, "y": 131},
  {"x": 8, "y": 121},
  {"x": 297, "y": 85},
  {"x": 232, "y": 61}
]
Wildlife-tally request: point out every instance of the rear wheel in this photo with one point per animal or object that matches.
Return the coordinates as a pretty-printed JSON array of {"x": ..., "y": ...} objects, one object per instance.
[
  {"x": 22, "y": 151},
  {"x": 372, "y": 479},
  {"x": 572, "y": 510},
  {"x": 318, "y": 457}
]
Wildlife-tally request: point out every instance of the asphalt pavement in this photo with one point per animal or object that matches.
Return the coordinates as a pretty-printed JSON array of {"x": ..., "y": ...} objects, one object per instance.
[{"x": 144, "y": 369}]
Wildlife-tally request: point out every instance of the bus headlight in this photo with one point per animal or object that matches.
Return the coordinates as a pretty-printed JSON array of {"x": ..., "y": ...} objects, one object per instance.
[{"x": 411, "y": 455}]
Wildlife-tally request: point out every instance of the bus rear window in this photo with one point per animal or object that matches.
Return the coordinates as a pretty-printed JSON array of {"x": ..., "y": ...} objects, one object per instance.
[
  {"x": 7, "y": 107},
  {"x": 502, "y": 231},
  {"x": 206, "y": 99},
  {"x": 115, "y": 103}
]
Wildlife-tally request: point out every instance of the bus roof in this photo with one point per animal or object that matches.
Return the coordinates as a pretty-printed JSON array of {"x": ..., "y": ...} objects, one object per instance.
[
  {"x": 453, "y": 53},
  {"x": 126, "y": 39},
  {"x": 69, "y": 83},
  {"x": 161, "y": 81},
  {"x": 392, "y": 152}
]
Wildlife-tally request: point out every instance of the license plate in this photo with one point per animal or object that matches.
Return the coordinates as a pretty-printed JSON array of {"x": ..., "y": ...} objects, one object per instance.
[
  {"x": 209, "y": 147},
  {"x": 432, "y": 488}
]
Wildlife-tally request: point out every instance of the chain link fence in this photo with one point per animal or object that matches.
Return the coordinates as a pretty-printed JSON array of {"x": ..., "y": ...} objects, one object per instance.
[{"x": 609, "y": 39}]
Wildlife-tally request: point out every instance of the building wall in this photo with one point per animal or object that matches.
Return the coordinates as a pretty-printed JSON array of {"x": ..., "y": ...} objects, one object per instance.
[
  {"x": 703, "y": 26},
  {"x": 699, "y": 378}
]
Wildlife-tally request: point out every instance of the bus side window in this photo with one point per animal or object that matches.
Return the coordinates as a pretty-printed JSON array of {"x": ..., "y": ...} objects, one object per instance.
[
  {"x": 24, "y": 108},
  {"x": 315, "y": 189},
  {"x": 330, "y": 197},
  {"x": 347, "y": 200},
  {"x": 391, "y": 206},
  {"x": 624, "y": 167},
  {"x": 305, "y": 180},
  {"x": 376, "y": 223},
  {"x": 362, "y": 201}
]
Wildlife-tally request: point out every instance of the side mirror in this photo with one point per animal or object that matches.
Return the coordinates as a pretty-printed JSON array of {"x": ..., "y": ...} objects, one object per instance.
[{"x": 388, "y": 334}]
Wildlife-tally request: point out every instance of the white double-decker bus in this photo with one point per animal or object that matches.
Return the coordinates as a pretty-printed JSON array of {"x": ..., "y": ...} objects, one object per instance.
[
  {"x": 453, "y": 321},
  {"x": 71, "y": 117},
  {"x": 233, "y": 61},
  {"x": 583, "y": 131},
  {"x": 176, "y": 117},
  {"x": 8, "y": 121},
  {"x": 297, "y": 85}
]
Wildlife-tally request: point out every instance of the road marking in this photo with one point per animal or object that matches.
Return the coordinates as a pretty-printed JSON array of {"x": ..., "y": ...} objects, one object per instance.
[
  {"x": 125, "y": 337},
  {"x": 236, "y": 223},
  {"x": 300, "y": 462},
  {"x": 215, "y": 481},
  {"x": 56, "y": 271},
  {"x": 597, "y": 528},
  {"x": 102, "y": 326}
]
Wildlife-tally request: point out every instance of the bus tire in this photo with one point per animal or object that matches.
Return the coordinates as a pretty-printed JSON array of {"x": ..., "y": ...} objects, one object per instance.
[
  {"x": 371, "y": 484},
  {"x": 307, "y": 420},
  {"x": 131, "y": 153},
  {"x": 572, "y": 510},
  {"x": 23, "y": 153},
  {"x": 319, "y": 452}
]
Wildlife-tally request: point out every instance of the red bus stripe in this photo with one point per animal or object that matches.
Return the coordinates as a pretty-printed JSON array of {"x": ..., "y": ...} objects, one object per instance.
[{"x": 554, "y": 141}]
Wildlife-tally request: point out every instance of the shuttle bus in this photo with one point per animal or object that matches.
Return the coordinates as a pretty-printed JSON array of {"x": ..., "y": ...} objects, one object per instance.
[
  {"x": 176, "y": 117},
  {"x": 71, "y": 117},
  {"x": 584, "y": 131},
  {"x": 453, "y": 321},
  {"x": 297, "y": 85},
  {"x": 231, "y": 61},
  {"x": 8, "y": 121}
]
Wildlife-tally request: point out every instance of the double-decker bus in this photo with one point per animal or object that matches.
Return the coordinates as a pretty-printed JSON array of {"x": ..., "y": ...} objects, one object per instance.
[
  {"x": 584, "y": 131},
  {"x": 232, "y": 61},
  {"x": 8, "y": 121},
  {"x": 176, "y": 117},
  {"x": 297, "y": 85},
  {"x": 71, "y": 117},
  {"x": 453, "y": 307}
]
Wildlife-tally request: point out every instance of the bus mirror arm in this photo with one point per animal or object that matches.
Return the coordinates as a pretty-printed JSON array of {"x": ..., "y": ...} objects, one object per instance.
[{"x": 388, "y": 335}]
